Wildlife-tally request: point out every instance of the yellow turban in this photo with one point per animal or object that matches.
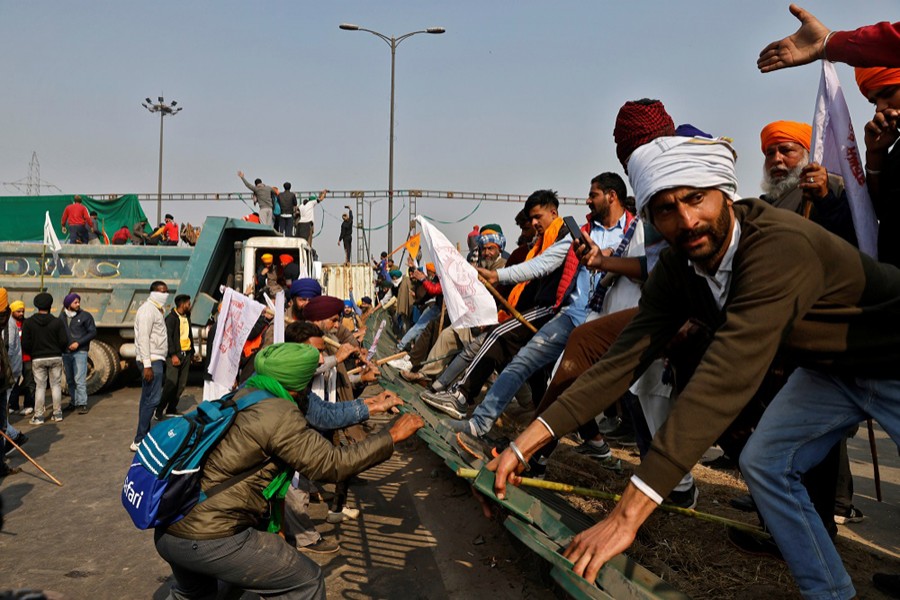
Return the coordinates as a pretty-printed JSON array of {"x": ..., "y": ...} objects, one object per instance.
[
  {"x": 17, "y": 305},
  {"x": 267, "y": 259},
  {"x": 786, "y": 131},
  {"x": 875, "y": 78}
]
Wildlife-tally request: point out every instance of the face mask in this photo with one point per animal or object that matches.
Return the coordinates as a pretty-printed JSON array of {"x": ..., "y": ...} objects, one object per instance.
[
  {"x": 159, "y": 297},
  {"x": 70, "y": 313}
]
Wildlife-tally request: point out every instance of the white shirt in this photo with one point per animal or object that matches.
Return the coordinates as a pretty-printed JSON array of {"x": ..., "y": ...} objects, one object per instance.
[{"x": 307, "y": 211}]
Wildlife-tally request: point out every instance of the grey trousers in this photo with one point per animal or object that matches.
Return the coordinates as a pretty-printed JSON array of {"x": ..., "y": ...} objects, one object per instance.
[
  {"x": 262, "y": 563},
  {"x": 298, "y": 528}
]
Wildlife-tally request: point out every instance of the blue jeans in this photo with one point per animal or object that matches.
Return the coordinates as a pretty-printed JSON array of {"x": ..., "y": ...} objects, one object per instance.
[
  {"x": 151, "y": 394},
  {"x": 541, "y": 350},
  {"x": 805, "y": 420},
  {"x": 431, "y": 313},
  {"x": 75, "y": 366}
]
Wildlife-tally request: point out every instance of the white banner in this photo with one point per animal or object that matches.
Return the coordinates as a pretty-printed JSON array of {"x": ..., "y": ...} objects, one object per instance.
[
  {"x": 237, "y": 316},
  {"x": 468, "y": 302},
  {"x": 834, "y": 147},
  {"x": 50, "y": 238},
  {"x": 279, "y": 318}
]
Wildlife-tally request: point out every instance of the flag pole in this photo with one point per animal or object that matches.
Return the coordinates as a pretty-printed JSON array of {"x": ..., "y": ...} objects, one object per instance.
[{"x": 506, "y": 305}]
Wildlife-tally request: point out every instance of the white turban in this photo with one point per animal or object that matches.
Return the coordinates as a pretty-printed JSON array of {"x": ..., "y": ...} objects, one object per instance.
[{"x": 669, "y": 162}]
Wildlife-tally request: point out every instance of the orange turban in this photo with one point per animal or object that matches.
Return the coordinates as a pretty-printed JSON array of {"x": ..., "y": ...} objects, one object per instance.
[
  {"x": 786, "y": 131},
  {"x": 875, "y": 78},
  {"x": 430, "y": 267}
]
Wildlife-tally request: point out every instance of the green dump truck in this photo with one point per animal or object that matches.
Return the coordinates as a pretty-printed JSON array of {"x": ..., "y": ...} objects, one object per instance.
[{"x": 113, "y": 281}]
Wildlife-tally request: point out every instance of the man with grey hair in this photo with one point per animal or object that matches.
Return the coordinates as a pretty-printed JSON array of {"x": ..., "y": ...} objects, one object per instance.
[
  {"x": 764, "y": 281},
  {"x": 793, "y": 183}
]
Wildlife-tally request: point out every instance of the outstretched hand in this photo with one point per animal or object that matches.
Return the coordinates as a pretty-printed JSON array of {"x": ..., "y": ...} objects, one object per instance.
[
  {"x": 405, "y": 426},
  {"x": 383, "y": 402},
  {"x": 802, "y": 47}
]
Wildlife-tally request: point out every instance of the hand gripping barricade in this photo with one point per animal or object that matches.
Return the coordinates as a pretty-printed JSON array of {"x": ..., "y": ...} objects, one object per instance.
[{"x": 163, "y": 483}]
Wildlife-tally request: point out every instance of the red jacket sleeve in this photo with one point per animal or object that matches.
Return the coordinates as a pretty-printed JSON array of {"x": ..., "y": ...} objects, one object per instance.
[
  {"x": 870, "y": 46},
  {"x": 433, "y": 288}
]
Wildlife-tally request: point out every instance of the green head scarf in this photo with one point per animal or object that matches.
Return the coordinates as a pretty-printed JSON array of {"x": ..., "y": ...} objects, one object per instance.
[{"x": 291, "y": 365}]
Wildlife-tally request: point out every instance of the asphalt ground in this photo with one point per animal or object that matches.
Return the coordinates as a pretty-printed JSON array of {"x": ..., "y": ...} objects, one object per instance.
[{"x": 419, "y": 533}]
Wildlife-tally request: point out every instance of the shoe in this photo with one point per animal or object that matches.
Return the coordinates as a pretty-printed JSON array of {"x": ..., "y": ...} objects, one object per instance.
[
  {"x": 133, "y": 447},
  {"x": 37, "y": 420},
  {"x": 69, "y": 407},
  {"x": 172, "y": 414},
  {"x": 722, "y": 463},
  {"x": 451, "y": 403},
  {"x": 415, "y": 377},
  {"x": 744, "y": 503},
  {"x": 686, "y": 499},
  {"x": 474, "y": 446},
  {"x": 851, "y": 515},
  {"x": 609, "y": 424},
  {"x": 346, "y": 513},
  {"x": 622, "y": 435},
  {"x": 323, "y": 546},
  {"x": 26, "y": 411},
  {"x": 56, "y": 418},
  {"x": 753, "y": 544},
  {"x": 888, "y": 584},
  {"x": 7, "y": 470},
  {"x": 458, "y": 425},
  {"x": 350, "y": 513},
  {"x": 20, "y": 440},
  {"x": 592, "y": 449},
  {"x": 83, "y": 409}
]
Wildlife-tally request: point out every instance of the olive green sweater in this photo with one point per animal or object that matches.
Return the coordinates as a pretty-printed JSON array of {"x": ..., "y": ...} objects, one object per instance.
[{"x": 794, "y": 286}]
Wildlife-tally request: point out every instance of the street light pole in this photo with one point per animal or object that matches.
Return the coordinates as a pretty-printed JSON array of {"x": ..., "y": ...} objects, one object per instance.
[
  {"x": 392, "y": 42},
  {"x": 163, "y": 109}
]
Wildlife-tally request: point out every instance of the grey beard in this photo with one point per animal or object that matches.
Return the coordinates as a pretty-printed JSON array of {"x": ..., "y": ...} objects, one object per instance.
[{"x": 777, "y": 189}]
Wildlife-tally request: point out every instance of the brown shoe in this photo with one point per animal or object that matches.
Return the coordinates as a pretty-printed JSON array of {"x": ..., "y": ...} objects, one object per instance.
[{"x": 415, "y": 377}]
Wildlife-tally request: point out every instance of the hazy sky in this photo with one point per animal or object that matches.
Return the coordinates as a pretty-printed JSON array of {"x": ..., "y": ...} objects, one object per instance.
[{"x": 516, "y": 96}]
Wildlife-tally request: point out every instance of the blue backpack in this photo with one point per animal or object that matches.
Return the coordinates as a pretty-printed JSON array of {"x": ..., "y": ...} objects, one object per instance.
[{"x": 163, "y": 483}]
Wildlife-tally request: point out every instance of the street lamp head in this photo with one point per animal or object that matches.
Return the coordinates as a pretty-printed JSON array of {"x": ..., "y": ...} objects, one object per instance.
[
  {"x": 349, "y": 27},
  {"x": 144, "y": 104},
  {"x": 161, "y": 99},
  {"x": 174, "y": 102},
  {"x": 149, "y": 101},
  {"x": 435, "y": 30}
]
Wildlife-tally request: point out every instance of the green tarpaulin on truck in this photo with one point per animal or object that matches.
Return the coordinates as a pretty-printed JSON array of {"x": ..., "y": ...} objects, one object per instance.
[{"x": 23, "y": 216}]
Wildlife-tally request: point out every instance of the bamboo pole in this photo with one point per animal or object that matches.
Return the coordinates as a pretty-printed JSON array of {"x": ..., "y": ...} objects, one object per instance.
[
  {"x": 379, "y": 362},
  {"x": 581, "y": 491},
  {"x": 506, "y": 305},
  {"x": 31, "y": 460}
]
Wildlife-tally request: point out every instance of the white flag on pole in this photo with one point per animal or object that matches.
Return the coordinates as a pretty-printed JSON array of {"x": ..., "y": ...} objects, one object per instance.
[
  {"x": 50, "y": 238},
  {"x": 834, "y": 147},
  {"x": 279, "y": 318},
  {"x": 237, "y": 315},
  {"x": 468, "y": 302}
]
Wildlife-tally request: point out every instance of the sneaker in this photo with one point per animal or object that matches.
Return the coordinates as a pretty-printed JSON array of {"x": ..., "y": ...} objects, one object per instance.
[
  {"x": 415, "y": 377},
  {"x": 592, "y": 449},
  {"x": 622, "y": 435},
  {"x": 20, "y": 440},
  {"x": 56, "y": 418},
  {"x": 451, "y": 403},
  {"x": 609, "y": 424},
  {"x": 851, "y": 515},
  {"x": 686, "y": 499},
  {"x": 323, "y": 546},
  {"x": 133, "y": 447},
  {"x": 471, "y": 445},
  {"x": 346, "y": 513},
  {"x": 26, "y": 411},
  {"x": 69, "y": 407},
  {"x": 7, "y": 470},
  {"x": 83, "y": 409},
  {"x": 458, "y": 425},
  {"x": 37, "y": 420},
  {"x": 743, "y": 503}
]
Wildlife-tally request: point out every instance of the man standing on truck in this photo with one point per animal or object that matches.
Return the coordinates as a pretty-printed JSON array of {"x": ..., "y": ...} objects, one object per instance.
[
  {"x": 180, "y": 354},
  {"x": 346, "y": 236},
  {"x": 80, "y": 329},
  {"x": 151, "y": 344},
  {"x": 78, "y": 221},
  {"x": 306, "y": 216},
  {"x": 262, "y": 196}
]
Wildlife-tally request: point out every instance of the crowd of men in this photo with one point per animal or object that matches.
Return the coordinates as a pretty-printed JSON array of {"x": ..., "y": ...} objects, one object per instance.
[{"x": 689, "y": 315}]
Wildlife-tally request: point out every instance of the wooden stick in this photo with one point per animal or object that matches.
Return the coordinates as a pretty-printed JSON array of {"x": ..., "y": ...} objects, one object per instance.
[
  {"x": 31, "y": 460},
  {"x": 330, "y": 342},
  {"x": 379, "y": 362},
  {"x": 506, "y": 305},
  {"x": 581, "y": 491},
  {"x": 877, "y": 473}
]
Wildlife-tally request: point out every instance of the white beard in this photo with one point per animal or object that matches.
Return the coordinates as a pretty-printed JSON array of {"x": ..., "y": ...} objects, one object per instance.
[{"x": 777, "y": 189}]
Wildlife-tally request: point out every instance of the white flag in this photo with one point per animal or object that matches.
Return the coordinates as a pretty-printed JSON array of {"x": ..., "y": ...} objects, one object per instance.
[
  {"x": 237, "y": 315},
  {"x": 468, "y": 302},
  {"x": 834, "y": 147},
  {"x": 279, "y": 318},
  {"x": 50, "y": 238}
]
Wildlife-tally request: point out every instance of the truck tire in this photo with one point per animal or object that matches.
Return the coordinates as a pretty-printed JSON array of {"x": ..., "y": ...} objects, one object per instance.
[{"x": 101, "y": 366}]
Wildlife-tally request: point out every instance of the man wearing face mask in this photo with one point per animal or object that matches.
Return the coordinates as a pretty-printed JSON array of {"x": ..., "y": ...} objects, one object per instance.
[
  {"x": 81, "y": 330},
  {"x": 151, "y": 346}
]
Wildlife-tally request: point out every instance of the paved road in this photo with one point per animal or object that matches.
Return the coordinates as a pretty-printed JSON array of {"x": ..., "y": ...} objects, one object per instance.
[{"x": 419, "y": 535}]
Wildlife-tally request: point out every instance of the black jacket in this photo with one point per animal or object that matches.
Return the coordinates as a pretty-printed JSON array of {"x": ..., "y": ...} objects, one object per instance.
[
  {"x": 44, "y": 336},
  {"x": 80, "y": 328},
  {"x": 173, "y": 329},
  {"x": 346, "y": 229}
]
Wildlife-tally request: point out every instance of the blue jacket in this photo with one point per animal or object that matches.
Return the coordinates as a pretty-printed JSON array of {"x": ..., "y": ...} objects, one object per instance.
[{"x": 80, "y": 328}]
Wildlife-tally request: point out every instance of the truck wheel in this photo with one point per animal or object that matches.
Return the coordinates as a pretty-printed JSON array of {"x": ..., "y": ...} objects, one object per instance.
[
  {"x": 116, "y": 363},
  {"x": 101, "y": 366}
]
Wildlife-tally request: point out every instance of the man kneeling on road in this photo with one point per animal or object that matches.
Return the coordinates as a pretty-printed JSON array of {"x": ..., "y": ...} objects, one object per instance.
[
  {"x": 218, "y": 539},
  {"x": 764, "y": 280}
]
